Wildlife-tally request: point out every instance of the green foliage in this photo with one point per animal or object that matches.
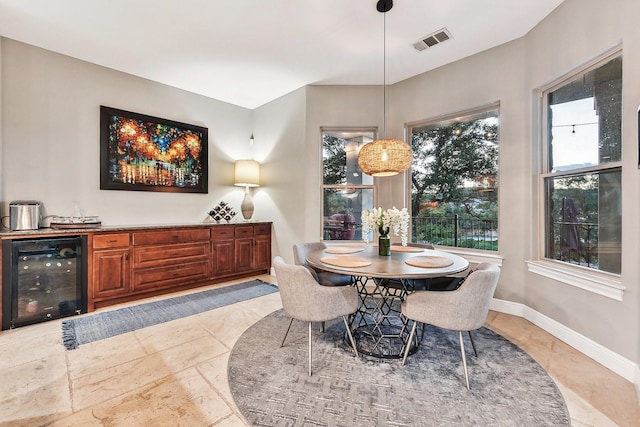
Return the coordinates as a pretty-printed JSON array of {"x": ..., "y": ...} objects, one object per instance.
[
  {"x": 451, "y": 163},
  {"x": 334, "y": 160}
]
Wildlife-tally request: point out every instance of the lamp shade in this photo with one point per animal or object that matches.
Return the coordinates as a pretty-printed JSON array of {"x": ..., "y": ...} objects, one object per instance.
[
  {"x": 385, "y": 157},
  {"x": 247, "y": 173}
]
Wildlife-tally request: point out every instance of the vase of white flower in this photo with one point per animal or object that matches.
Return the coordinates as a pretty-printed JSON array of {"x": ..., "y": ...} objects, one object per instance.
[{"x": 385, "y": 222}]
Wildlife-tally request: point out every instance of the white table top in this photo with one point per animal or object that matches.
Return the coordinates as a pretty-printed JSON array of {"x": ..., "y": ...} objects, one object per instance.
[{"x": 393, "y": 266}]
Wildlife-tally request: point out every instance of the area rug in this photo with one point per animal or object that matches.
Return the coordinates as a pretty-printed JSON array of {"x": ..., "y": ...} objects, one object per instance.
[
  {"x": 99, "y": 326},
  {"x": 271, "y": 387}
]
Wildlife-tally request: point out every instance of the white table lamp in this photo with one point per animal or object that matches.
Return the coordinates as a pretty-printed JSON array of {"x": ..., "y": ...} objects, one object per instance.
[{"x": 247, "y": 174}]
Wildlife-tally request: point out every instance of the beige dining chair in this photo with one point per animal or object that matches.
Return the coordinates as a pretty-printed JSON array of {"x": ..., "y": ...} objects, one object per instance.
[
  {"x": 464, "y": 309},
  {"x": 325, "y": 278},
  {"x": 303, "y": 298}
]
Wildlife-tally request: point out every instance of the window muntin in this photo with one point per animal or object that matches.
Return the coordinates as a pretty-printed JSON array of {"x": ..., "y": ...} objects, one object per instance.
[
  {"x": 346, "y": 191},
  {"x": 582, "y": 180},
  {"x": 454, "y": 185}
]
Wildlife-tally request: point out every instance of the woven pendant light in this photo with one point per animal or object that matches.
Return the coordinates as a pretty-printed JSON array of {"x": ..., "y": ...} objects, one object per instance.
[{"x": 385, "y": 157}]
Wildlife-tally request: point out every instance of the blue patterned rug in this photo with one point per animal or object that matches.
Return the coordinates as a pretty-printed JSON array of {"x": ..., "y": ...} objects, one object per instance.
[{"x": 99, "y": 326}]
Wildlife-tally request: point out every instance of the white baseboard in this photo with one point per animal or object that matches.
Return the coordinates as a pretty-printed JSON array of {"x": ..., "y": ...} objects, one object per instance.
[
  {"x": 618, "y": 364},
  {"x": 638, "y": 382}
]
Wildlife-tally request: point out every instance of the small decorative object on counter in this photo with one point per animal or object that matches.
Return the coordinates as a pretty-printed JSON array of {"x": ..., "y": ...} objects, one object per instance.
[{"x": 222, "y": 211}]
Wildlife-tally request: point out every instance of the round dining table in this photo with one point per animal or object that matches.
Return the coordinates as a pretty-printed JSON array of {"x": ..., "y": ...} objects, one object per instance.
[{"x": 383, "y": 282}]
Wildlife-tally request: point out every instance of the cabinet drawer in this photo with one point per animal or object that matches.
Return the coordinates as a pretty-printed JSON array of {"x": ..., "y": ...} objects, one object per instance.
[
  {"x": 106, "y": 241},
  {"x": 156, "y": 278},
  {"x": 244, "y": 231},
  {"x": 221, "y": 233},
  {"x": 261, "y": 229},
  {"x": 171, "y": 236},
  {"x": 147, "y": 256}
]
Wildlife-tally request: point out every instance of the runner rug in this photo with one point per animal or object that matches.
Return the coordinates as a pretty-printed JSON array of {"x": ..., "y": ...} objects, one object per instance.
[
  {"x": 83, "y": 330},
  {"x": 271, "y": 387}
]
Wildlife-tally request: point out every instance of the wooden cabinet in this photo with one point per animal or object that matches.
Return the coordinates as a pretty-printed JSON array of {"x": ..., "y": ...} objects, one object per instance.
[
  {"x": 253, "y": 248},
  {"x": 151, "y": 261},
  {"x": 166, "y": 258},
  {"x": 110, "y": 266},
  {"x": 222, "y": 251}
]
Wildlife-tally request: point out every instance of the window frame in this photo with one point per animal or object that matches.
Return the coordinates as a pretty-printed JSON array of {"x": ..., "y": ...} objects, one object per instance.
[
  {"x": 596, "y": 281},
  {"x": 471, "y": 254},
  {"x": 323, "y": 186}
]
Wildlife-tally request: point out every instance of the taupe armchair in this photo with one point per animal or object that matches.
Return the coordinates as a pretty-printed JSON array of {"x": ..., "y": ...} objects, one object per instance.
[
  {"x": 303, "y": 298},
  {"x": 464, "y": 309},
  {"x": 325, "y": 278}
]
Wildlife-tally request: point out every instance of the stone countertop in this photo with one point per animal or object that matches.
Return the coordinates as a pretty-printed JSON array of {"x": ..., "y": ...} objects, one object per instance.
[{"x": 8, "y": 234}]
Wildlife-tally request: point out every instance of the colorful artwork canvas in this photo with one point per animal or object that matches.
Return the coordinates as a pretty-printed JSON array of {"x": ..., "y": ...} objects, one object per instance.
[{"x": 145, "y": 153}]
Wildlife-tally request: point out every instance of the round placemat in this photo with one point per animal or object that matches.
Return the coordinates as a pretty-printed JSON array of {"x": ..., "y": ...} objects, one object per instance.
[
  {"x": 396, "y": 248},
  {"x": 346, "y": 261},
  {"x": 342, "y": 250},
  {"x": 429, "y": 261}
]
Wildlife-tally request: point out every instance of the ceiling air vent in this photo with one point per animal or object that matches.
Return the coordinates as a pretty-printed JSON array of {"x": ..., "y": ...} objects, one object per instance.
[{"x": 432, "y": 39}]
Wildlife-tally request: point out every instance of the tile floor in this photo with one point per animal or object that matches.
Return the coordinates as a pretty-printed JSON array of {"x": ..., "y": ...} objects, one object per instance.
[{"x": 174, "y": 374}]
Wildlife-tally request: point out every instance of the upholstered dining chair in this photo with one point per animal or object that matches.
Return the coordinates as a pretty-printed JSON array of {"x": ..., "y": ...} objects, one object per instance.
[
  {"x": 325, "y": 278},
  {"x": 303, "y": 298},
  {"x": 464, "y": 309}
]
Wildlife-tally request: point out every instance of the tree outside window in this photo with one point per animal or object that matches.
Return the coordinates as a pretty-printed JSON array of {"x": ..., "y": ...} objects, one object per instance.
[{"x": 454, "y": 185}]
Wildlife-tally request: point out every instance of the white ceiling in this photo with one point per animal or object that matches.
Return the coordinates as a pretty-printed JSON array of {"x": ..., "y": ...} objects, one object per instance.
[{"x": 249, "y": 52}]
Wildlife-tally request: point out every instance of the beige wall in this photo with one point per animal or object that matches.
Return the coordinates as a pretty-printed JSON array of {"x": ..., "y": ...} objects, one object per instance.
[
  {"x": 50, "y": 122},
  {"x": 576, "y": 32},
  {"x": 279, "y": 129}
]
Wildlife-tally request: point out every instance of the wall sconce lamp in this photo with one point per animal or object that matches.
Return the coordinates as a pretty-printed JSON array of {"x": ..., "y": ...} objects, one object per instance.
[{"x": 247, "y": 174}]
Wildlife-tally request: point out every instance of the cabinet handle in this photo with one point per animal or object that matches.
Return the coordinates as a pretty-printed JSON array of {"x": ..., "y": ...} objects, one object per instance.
[{"x": 126, "y": 256}]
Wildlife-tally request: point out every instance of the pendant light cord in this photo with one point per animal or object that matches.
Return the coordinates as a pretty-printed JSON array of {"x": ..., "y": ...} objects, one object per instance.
[{"x": 384, "y": 75}]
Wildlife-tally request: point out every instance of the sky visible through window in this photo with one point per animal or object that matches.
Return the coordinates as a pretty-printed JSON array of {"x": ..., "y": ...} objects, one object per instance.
[{"x": 575, "y": 134}]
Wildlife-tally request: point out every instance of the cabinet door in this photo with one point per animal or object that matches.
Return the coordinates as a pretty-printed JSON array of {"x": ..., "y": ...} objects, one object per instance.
[
  {"x": 262, "y": 253},
  {"x": 244, "y": 255},
  {"x": 223, "y": 259},
  {"x": 110, "y": 273}
]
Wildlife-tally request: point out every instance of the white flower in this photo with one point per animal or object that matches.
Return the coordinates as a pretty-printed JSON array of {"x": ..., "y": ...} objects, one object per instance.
[{"x": 385, "y": 221}]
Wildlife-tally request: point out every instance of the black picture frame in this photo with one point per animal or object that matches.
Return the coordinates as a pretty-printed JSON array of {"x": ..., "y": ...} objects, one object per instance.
[{"x": 145, "y": 153}]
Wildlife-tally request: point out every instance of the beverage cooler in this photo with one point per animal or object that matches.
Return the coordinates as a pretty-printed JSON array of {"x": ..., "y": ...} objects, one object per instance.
[{"x": 43, "y": 279}]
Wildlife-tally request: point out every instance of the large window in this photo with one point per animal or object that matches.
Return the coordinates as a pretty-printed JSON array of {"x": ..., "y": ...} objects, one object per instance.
[
  {"x": 346, "y": 191},
  {"x": 582, "y": 172},
  {"x": 454, "y": 185}
]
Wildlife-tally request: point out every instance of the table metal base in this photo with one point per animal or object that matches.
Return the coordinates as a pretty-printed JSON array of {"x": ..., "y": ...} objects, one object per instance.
[{"x": 379, "y": 328}]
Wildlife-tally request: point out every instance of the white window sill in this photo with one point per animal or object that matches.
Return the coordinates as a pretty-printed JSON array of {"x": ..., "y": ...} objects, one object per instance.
[
  {"x": 605, "y": 284},
  {"x": 474, "y": 256}
]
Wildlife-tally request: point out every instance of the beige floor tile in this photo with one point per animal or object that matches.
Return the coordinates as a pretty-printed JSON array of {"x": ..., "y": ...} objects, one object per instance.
[
  {"x": 215, "y": 372},
  {"x": 182, "y": 399},
  {"x": 582, "y": 413},
  {"x": 228, "y": 323},
  {"x": 34, "y": 390},
  {"x": 23, "y": 345},
  {"x": 170, "y": 334},
  {"x": 108, "y": 383},
  {"x": 104, "y": 354},
  {"x": 175, "y": 373}
]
